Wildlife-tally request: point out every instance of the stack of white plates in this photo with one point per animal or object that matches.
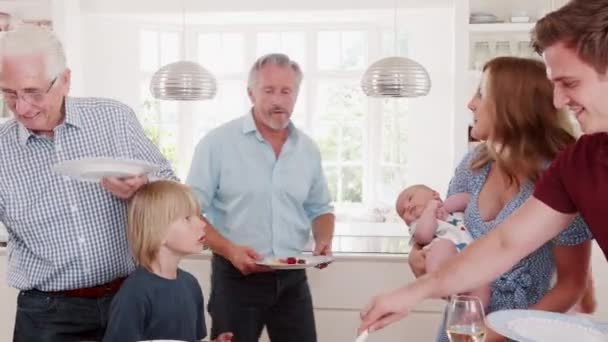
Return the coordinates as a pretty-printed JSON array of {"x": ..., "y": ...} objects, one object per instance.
[{"x": 482, "y": 18}]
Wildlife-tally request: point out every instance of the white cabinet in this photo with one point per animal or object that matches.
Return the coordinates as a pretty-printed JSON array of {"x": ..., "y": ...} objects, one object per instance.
[
  {"x": 339, "y": 292},
  {"x": 479, "y": 42}
]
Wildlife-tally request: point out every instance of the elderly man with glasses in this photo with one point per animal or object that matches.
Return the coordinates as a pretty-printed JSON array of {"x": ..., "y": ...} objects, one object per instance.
[{"x": 68, "y": 248}]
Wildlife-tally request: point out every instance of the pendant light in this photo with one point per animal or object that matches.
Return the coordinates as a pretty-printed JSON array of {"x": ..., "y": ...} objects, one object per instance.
[
  {"x": 396, "y": 76},
  {"x": 183, "y": 80}
]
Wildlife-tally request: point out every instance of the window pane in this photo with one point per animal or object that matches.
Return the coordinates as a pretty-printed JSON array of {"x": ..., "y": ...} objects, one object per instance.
[
  {"x": 232, "y": 52},
  {"x": 168, "y": 112},
  {"x": 354, "y": 45},
  {"x": 299, "y": 112},
  {"x": 168, "y": 142},
  {"x": 338, "y": 130},
  {"x": 209, "y": 47},
  {"x": 230, "y": 102},
  {"x": 170, "y": 47},
  {"x": 388, "y": 44},
  {"x": 329, "y": 50},
  {"x": 394, "y": 131},
  {"x": 331, "y": 173},
  {"x": 352, "y": 142},
  {"x": 151, "y": 115},
  {"x": 326, "y": 137},
  {"x": 394, "y": 154},
  {"x": 392, "y": 180},
  {"x": 352, "y": 186},
  {"x": 233, "y": 99},
  {"x": 148, "y": 50},
  {"x": 268, "y": 42},
  {"x": 340, "y": 100},
  {"x": 221, "y": 52},
  {"x": 294, "y": 45}
]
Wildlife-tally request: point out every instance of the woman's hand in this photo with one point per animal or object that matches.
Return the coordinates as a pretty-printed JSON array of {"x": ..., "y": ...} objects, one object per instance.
[{"x": 417, "y": 260}]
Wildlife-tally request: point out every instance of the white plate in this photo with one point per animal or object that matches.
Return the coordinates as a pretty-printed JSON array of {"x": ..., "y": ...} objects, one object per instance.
[
  {"x": 541, "y": 326},
  {"x": 94, "y": 169},
  {"x": 311, "y": 261}
]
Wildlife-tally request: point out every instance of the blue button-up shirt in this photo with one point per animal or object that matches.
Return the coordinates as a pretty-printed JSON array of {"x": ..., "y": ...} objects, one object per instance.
[
  {"x": 254, "y": 198},
  {"x": 64, "y": 233}
]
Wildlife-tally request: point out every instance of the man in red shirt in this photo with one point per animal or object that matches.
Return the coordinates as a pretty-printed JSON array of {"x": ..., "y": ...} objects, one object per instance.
[{"x": 574, "y": 43}]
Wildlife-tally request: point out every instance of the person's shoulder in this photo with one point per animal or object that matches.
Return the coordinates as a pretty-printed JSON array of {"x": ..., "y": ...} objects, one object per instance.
[
  {"x": 590, "y": 142},
  {"x": 98, "y": 104},
  {"x": 98, "y": 110},
  {"x": 187, "y": 276},
  {"x": 189, "y": 279},
  {"x": 8, "y": 128},
  {"x": 586, "y": 148},
  {"x": 307, "y": 141},
  {"x": 224, "y": 131},
  {"x": 135, "y": 284},
  {"x": 468, "y": 158}
]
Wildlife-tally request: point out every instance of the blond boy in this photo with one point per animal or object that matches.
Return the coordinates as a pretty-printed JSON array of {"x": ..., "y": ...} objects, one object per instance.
[{"x": 159, "y": 300}]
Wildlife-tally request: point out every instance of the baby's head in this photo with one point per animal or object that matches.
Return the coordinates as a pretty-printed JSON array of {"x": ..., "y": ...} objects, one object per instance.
[
  {"x": 164, "y": 215},
  {"x": 412, "y": 200}
]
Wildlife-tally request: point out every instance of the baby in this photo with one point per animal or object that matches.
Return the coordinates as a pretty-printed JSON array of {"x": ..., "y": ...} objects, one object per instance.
[{"x": 437, "y": 225}]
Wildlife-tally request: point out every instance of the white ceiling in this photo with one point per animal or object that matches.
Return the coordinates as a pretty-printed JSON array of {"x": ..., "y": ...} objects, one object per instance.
[{"x": 166, "y": 6}]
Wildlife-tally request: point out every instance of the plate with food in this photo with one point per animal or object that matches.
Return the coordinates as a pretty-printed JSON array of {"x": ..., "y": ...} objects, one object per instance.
[
  {"x": 295, "y": 262},
  {"x": 540, "y": 326}
]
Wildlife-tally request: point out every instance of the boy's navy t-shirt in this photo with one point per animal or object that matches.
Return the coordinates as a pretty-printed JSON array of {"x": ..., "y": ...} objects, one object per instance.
[{"x": 149, "y": 307}]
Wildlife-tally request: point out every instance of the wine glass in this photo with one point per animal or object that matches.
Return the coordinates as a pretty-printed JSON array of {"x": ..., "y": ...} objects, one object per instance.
[{"x": 464, "y": 319}]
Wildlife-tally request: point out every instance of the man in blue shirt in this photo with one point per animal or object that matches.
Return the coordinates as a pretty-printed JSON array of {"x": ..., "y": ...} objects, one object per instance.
[{"x": 260, "y": 182}]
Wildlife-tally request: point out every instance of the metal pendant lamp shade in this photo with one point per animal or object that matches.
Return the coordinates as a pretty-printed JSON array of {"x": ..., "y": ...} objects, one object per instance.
[
  {"x": 183, "y": 81},
  {"x": 396, "y": 77}
]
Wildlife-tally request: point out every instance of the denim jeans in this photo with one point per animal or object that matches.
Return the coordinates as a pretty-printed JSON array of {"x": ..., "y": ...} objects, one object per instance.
[
  {"x": 279, "y": 300},
  {"x": 44, "y": 317}
]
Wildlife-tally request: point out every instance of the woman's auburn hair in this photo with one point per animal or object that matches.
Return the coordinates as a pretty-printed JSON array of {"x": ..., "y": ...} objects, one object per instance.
[{"x": 527, "y": 130}]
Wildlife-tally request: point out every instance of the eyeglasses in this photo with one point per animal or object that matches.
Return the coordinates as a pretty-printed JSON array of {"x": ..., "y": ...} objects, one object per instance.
[{"x": 31, "y": 96}]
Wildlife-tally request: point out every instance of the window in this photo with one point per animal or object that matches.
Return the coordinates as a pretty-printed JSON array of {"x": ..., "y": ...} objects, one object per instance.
[
  {"x": 159, "y": 118},
  {"x": 366, "y": 144},
  {"x": 331, "y": 106}
]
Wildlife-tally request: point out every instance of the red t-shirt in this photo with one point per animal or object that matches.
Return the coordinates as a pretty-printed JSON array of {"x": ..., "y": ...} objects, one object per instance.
[{"x": 577, "y": 181}]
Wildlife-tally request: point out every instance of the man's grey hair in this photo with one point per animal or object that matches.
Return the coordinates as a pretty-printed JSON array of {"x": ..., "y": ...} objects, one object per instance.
[
  {"x": 279, "y": 59},
  {"x": 29, "y": 39}
]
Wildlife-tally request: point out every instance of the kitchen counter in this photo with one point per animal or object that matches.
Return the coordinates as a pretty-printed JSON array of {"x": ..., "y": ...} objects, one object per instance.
[
  {"x": 339, "y": 293},
  {"x": 205, "y": 255}
]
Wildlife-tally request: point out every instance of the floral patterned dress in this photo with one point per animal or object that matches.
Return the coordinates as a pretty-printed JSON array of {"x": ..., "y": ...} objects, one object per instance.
[{"x": 530, "y": 279}]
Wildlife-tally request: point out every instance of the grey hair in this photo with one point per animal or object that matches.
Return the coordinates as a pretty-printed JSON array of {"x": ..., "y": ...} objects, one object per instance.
[
  {"x": 28, "y": 39},
  {"x": 278, "y": 59}
]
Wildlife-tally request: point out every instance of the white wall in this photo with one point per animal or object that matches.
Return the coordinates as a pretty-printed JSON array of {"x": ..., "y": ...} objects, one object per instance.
[
  {"x": 111, "y": 52},
  {"x": 67, "y": 23},
  {"x": 431, "y": 131}
]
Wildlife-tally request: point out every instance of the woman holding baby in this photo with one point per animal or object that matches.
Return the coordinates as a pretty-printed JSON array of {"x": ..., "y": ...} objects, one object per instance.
[{"x": 522, "y": 132}]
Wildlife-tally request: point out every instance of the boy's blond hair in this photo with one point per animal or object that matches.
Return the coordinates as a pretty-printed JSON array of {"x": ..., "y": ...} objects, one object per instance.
[{"x": 150, "y": 213}]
